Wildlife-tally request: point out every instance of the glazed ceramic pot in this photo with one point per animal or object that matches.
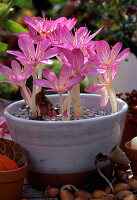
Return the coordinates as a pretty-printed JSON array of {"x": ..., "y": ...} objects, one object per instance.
[
  {"x": 63, "y": 152},
  {"x": 11, "y": 183}
]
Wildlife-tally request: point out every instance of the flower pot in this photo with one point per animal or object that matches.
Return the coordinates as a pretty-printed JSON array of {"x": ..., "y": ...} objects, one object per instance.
[
  {"x": 11, "y": 183},
  {"x": 132, "y": 155},
  {"x": 63, "y": 151}
]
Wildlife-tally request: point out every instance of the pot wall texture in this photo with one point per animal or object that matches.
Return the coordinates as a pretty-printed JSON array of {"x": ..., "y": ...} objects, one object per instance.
[{"x": 67, "y": 147}]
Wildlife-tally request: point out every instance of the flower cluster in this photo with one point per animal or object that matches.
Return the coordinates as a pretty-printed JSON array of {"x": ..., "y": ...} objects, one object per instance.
[{"x": 79, "y": 55}]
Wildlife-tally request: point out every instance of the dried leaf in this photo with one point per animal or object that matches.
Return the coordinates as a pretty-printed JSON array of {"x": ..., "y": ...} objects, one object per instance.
[
  {"x": 7, "y": 164},
  {"x": 13, "y": 151},
  {"x": 117, "y": 156},
  {"x": 44, "y": 106}
]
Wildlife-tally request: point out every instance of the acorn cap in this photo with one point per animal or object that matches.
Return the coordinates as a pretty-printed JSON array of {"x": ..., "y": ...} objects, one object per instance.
[{"x": 117, "y": 156}]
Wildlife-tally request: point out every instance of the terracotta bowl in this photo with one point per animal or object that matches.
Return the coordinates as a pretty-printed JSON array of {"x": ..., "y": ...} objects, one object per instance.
[
  {"x": 132, "y": 155},
  {"x": 11, "y": 183}
]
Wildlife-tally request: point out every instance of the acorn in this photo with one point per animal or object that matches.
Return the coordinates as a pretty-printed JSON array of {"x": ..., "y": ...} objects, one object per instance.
[
  {"x": 130, "y": 197},
  {"x": 66, "y": 195},
  {"x": 132, "y": 182},
  {"x": 121, "y": 175},
  {"x": 108, "y": 189},
  {"x": 82, "y": 197},
  {"x": 122, "y": 194},
  {"x": 51, "y": 192},
  {"x": 83, "y": 192},
  {"x": 108, "y": 197},
  {"x": 98, "y": 193},
  {"x": 121, "y": 186}
]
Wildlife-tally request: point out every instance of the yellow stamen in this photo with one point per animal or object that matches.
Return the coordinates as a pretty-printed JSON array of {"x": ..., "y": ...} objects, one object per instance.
[
  {"x": 85, "y": 65},
  {"x": 50, "y": 18},
  {"x": 84, "y": 49},
  {"x": 64, "y": 38},
  {"x": 109, "y": 57},
  {"x": 8, "y": 75},
  {"x": 64, "y": 84},
  {"x": 21, "y": 48},
  {"x": 29, "y": 54},
  {"x": 46, "y": 18},
  {"x": 69, "y": 78},
  {"x": 53, "y": 80},
  {"x": 73, "y": 62},
  {"x": 103, "y": 50},
  {"x": 22, "y": 70},
  {"x": 53, "y": 28},
  {"x": 97, "y": 79},
  {"x": 43, "y": 51},
  {"x": 47, "y": 34},
  {"x": 37, "y": 22},
  {"x": 40, "y": 53},
  {"x": 11, "y": 72},
  {"x": 76, "y": 29},
  {"x": 29, "y": 46},
  {"x": 80, "y": 55},
  {"x": 91, "y": 66},
  {"x": 82, "y": 36},
  {"x": 41, "y": 43},
  {"x": 73, "y": 39},
  {"x": 96, "y": 51},
  {"x": 62, "y": 74},
  {"x": 57, "y": 84},
  {"x": 41, "y": 21},
  {"x": 112, "y": 47},
  {"x": 73, "y": 54},
  {"x": 114, "y": 53},
  {"x": 92, "y": 83},
  {"x": 14, "y": 66}
]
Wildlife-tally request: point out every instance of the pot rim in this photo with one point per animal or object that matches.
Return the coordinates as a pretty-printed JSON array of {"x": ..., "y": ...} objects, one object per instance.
[
  {"x": 15, "y": 174},
  {"x": 113, "y": 115}
]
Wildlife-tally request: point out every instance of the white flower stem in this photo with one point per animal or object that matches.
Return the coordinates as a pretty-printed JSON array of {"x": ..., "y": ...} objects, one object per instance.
[
  {"x": 69, "y": 103},
  {"x": 27, "y": 96},
  {"x": 39, "y": 76},
  {"x": 111, "y": 92},
  {"x": 61, "y": 104},
  {"x": 76, "y": 101},
  {"x": 33, "y": 108}
]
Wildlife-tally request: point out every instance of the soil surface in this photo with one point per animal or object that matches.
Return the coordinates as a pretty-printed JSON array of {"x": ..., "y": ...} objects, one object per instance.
[{"x": 25, "y": 113}]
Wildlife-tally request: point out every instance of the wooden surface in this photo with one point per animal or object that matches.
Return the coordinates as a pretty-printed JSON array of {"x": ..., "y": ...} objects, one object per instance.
[{"x": 30, "y": 193}]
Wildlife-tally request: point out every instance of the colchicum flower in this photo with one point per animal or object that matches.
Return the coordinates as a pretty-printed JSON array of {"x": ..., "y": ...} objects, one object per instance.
[
  {"x": 30, "y": 55},
  {"x": 16, "y": 74}
]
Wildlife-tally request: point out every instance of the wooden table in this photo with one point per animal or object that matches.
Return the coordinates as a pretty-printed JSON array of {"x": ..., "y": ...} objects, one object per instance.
[{"x": 30, "y": 193}]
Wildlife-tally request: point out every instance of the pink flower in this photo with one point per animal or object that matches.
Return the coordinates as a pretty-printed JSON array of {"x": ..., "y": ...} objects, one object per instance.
[
  {"x": 62, "y": 84},
  {"x": 47, "y": 27},
  {"x": 81, "y": 38},
  {"x": 106, "y": 56},
  {"x": 99, "y": 88},
  {"x": 17, "y": 74},
  {"x": 80, "y": 68},
  {"x": 29, "y": 55}
]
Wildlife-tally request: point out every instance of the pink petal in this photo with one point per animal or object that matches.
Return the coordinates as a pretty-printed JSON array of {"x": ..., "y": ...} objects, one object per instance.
[
  {"x": 6, "y": 72},
  {"x": 42, "y": 83},
  {"x": 47, "y": 62},
  {"x": 116, "y": 49},
  {"x": 50, "y": 53},
  {"x": 49, "y": 74},
  {"x": 122, "y": 55},
  {"x": 76, "y": 80},
  {"x": 104, "y": 98},
  {"x": 94, "y": 34},
  {"x": 78, "y": 57},
  {"x": 17, "y": 53},
  {"x": 94, "y": 88},
  {"x": 16, "y": 69},
  {"x": 65, "y": 71}
]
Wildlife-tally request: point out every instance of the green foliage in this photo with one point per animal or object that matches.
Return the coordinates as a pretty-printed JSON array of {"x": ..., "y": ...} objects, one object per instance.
[
  {"x": 13, "y": 27},
  {"x": 3, "y": 46},
  {"x": 22, "y": 3}
]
